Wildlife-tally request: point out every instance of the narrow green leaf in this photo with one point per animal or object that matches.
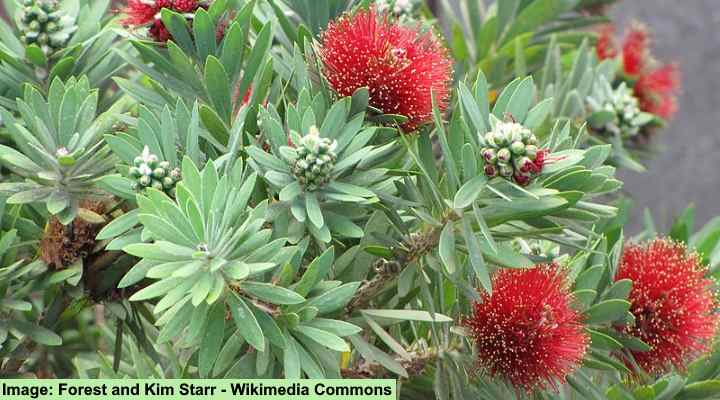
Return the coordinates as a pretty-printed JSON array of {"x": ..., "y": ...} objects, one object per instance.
[
  {"x": 327, "y": 339},
  {"x": 447, "y": 247},
  {"x": 212, "y": 340},
  {"x": 271, "y": 293},
  {"x": 315, "y": 272},
  {"x": 218, "y": 86},
  {"x": 469, "y": 192},
  {"x": 408, "y": 315},
  {"x": 246, "y": 323},
  {"x": 606, "y": 311}
]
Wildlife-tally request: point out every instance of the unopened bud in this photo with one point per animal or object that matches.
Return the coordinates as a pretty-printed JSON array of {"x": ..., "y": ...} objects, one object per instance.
[
  {"x": 521, "y": 179},
  {"x": 490, "y": 170},
  {"x": 517, "y": 148},
  {"x": 168, "y": 182},
  {"x": 526, "y": 165},
  {"x": 158, "y": 173},
  {"x": 503, "y": 155},
  {"x": 506, "y": 170},
  {"x": 489, "y": 155},
  {"x": 531, "y": 150}
]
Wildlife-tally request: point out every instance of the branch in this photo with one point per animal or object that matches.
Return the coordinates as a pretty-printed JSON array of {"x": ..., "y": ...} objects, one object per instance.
[
  {"x": 414, "y": 247},
  {"x": 414, "y": 366}
]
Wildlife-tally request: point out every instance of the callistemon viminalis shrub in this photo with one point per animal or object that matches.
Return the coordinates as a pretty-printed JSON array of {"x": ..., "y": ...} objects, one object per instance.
[
  {"x": 252, "y": 205},
  {"x": 526, "y": 331},
  {"x": 403, "y": 67},
  {"x": 672, "y": 302},
  {"x": 655, "y": 85}
]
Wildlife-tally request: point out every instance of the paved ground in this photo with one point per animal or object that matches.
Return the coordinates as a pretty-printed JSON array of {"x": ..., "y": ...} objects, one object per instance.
[{"x": 688, "y": 170}]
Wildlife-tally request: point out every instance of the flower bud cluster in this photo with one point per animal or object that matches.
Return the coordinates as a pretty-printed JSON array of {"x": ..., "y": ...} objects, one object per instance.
[
  {"x": 43, "y": 23},
  {"x": 511, "y": 152},
  {"x": 315, "y": 161},
  {"x": 626, "y": 108},
  {"x": 149, "y": 171}
]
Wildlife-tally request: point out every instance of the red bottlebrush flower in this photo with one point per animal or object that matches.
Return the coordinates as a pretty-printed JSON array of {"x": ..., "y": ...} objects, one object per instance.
[
  {"x": 635, "y": 50},
  {"x": 400, "y": 65},
  {"x": 140, "y": 12},
  {"x": 159, "y": 32},
  {"x": 147, "y": 12},
  {"x": 526, "y": 331},
  {"x": 185, "y": 6},
  {"x": 656, "y": 90},
  {"x": 674, "y": 307},
  {"x": 606, "y": 46},
  {"x": 540, "y": 160}
]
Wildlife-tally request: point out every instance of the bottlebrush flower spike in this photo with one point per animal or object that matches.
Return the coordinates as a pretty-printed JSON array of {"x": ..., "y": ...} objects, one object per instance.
[
  {"x": 401, "y": 66},
  {"x": 635, "y": 50},
  {"x": 140, "y": 12},
  {"x": 147, "y": 12},
  {"x": 671, "y": 300},
  {"x": 634, "y": 55},
  {"x": 526, "y": 331},
  {"x": 606, "y": 46},
  {"x": 656, "y": 90}
]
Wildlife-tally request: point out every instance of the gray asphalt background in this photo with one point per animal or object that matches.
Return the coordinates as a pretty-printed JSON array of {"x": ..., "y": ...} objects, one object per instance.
[{"x": 687, "y": 171}]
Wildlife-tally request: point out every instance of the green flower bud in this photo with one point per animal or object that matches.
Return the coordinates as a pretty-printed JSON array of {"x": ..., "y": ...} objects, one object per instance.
[
  {"x": 158, "y": 173},
  {"x": 48, "y": 6},
  {"x": 501, "y": 139},
  {"x": 157, "y": 185},
  {"x": 490, "y": 170},
  {"x": 152, "y": 161},
  {"x": 31, "y": 37},
  {"x": 145, "y": 180},
  {"x": 489, "y": 155},
  {"x": 168, "y": 182},
  {"x": 525, "y": 134},
  {"x": 490, "y": 139},
  {"x": 525, "y": 165},
  {"x": 531, "y": 151},
  {"x": 517, "y": 148},
  {"x": 175, "y": 174},
  {"x": 138, "y": 161},
  {"x": 503, "y": 155},
  {"x": 164, "y": 165},
  {"x": 506, "y": 170},
  {"x": 316, "y": 159},
  {"x": 134, "y": 172}
]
